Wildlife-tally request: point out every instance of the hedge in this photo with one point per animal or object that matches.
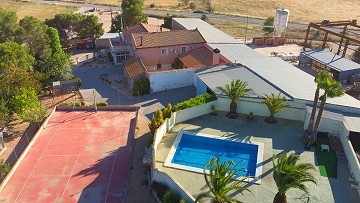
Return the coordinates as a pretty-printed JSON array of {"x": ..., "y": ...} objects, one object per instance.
[{"x": 196, "y": 101}]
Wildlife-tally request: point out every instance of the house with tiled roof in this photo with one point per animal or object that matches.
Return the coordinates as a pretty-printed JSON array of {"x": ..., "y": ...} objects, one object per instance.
[
  {"x": 171, "y": 57},
  {"x": 135, "y": 70}
]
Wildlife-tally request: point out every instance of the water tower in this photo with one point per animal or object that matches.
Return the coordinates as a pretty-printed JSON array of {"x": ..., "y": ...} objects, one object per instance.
[{"x": 281, "y": 21}]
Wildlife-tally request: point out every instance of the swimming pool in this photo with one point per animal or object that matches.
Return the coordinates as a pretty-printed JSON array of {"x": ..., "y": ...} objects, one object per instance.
[{"x": 191, "y": 151}]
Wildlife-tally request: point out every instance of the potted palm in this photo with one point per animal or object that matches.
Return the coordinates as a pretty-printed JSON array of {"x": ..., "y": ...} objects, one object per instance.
[
  {"x": 219, "y": 181},
  {"x": 234, "y": 91},
  {"x": 274, "y": 104},
  {"x": 289, "y": 174}
]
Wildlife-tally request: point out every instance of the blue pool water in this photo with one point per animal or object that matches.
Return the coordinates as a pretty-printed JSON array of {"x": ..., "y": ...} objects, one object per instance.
[{"x": 196, "y": 151}]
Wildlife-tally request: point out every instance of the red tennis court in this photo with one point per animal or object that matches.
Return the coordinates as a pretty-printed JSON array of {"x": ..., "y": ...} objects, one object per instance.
[{"x": 80, "y": 156}]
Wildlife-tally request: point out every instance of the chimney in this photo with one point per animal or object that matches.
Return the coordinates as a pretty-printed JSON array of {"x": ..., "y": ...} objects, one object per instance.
[
  {"x": 141, "y": 41},
  {"x": 216, "y": 57}
]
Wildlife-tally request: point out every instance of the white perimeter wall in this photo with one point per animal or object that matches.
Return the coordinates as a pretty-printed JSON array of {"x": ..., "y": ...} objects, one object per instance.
[
  {"x": 166, "y": 80},
  {"x": 247, "y": 105}
]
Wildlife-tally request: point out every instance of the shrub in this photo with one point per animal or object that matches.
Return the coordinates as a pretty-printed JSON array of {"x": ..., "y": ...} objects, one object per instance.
[
  {"x": 153, "y": 125},
  {"x": 185, "y": 2},
  {"x": 102, "y": 104},
  {"x": 177, "y": 64},
  {"x": 141, "y": 87},
  {"x": 192, "y": 5},
  {"x": 269, "y": 22},
  {"x": 64, "y": 104},
  {"x": 167, "y": 111},
  {"x": 210, "y": 9},
  {"x": 77, "y": 104},
  {"x": 170, "y": 197},
  {"x": 204, "y": 17},
  {"x": 79, "y": 81},
  {"x": 160, "y": 189},
  {"x": 196, "y": 101},
  {"x": 152, "y": 5}
]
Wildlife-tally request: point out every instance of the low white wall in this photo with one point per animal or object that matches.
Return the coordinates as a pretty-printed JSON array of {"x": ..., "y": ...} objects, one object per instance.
[
  {"x": 247, "y": 105},
  {"x": 194, "y": 112},
  {"x": 173, "y": 185},
  {"x": 166, "y": 80}
]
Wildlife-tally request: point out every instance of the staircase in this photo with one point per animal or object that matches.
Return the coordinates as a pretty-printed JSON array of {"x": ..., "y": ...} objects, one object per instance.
[{"x": 336, "y": 145}]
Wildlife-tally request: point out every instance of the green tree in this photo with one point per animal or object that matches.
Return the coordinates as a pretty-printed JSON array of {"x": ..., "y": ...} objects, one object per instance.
[
  {"x": 234, "y": 91},
  {"x": 57, "y": 67},
  {"x": 289, "y": 174},
  {"x": 89, "y": 27},
  {"x": 13, "y": 55},
  {"x": 153, "y": 125},
  {"x": 35, "y": 114},
  {"x": 168, "y": 20},
  {"x": 356, "y": 56},
  {"x": 13, "y": 83},
  {"x": 159, "y": 117},
  {"x": 269, "y": 22},
  {"x": 219, "y": 181},
  {"x": 33, "y": 34},
  {"x": 320, "y": 78},
  {"x": 24, "y": 100},
  {"x": 133, "y": 12},
  {"x": 65, "y": 24},
  {"x": 274, "y": 104},
  {"x": 332, "y": 89},
  {"x": 141, "y": 87},
  {"x": 8, "y": 25},
  {"x": 54, "y": 40}
]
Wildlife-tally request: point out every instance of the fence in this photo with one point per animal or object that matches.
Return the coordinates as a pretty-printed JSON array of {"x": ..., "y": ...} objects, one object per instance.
[{"x": 22, "y": 148}]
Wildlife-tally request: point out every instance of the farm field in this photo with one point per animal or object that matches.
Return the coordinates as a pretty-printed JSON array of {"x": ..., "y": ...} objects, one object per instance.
[
  {"x": 300, "y": 11},
  {"x": 38, "y": 10}
]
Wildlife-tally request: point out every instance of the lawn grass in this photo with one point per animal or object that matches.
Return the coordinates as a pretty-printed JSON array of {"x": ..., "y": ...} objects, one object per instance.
[
  {"x": 38, "y": 10},
  {"x": 326, "y": 160},
  {"x": 300, "y": 11}
]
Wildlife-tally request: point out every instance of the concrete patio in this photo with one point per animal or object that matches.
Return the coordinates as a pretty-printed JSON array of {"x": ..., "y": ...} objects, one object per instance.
[{"x": 279, "y": 138}]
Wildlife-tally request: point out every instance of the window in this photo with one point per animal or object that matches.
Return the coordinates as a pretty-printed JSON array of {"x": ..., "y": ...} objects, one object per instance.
[
  {"x": 164, "y": 52},
  {"x": 183, "y": 49},
  {"x": 174, "y": 50},
  {"x": 122, "y": 56}
]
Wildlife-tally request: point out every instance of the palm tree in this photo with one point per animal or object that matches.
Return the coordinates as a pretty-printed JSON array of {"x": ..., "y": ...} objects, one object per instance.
[
  {"x": 234, "y": 91},
  {"x": 332, "y": 89},
  {"x": 289, "y": 174},
  {"x": 275, "y": 105},
  {"x": 319, "y": 80},
  {"x": 219, "y": 181}
]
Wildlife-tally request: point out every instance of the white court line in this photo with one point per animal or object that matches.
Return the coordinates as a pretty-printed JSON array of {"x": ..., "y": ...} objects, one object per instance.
[
  {"x": 35, "y": 165},
  {"x": 112, "y": 169},
  {"x": 72, "y": 171}
]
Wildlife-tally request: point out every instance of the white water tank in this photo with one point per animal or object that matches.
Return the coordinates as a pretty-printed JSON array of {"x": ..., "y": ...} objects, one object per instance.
[{"x": 281, "y": 21}]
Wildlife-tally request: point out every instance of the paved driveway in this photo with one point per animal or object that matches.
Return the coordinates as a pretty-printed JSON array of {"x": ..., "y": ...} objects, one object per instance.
[{"x": 149, "y": 103}]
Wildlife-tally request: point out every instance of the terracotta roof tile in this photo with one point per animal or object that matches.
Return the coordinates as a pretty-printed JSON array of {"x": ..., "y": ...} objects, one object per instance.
[
  {"x": 164, "y": 39},
  {"x": 140, "y": 28},
  {"x": 134, "y": 67},
  {"x": 197, "y": 58}
]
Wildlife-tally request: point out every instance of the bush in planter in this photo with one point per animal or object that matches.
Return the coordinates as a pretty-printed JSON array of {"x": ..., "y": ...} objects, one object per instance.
[
  {"x": 167, "y": 111},
  {"x": 196, "y": 101},
  {"x": 102, "y": 104},
  {"x": 170, "y": 197},
  {"x": 141, "y": 87}
]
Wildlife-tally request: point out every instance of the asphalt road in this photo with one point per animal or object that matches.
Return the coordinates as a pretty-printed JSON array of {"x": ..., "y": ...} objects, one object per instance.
[
  {"x": 250, "y": 20},
  {"x": 159, "y": 12}
]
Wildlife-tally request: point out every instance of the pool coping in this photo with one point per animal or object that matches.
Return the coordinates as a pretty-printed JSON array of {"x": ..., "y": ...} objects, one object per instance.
[{"x": 259, "y": 160}]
